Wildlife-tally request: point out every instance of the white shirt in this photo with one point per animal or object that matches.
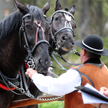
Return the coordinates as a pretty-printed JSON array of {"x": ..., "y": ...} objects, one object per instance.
[{"x": 62, "y": 85}]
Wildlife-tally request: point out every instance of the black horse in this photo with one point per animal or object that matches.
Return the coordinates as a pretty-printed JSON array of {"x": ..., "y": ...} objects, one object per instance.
[
  {"x": 62, "y": 27},
  {"x": 22, "y": 33},
  {"x": 61, "y": 37}
]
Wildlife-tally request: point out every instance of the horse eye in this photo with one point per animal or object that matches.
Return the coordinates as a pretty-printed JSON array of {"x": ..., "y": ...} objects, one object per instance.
[
  {"x": 56, "y": 18},
  {"x": 28, "y": 27}
]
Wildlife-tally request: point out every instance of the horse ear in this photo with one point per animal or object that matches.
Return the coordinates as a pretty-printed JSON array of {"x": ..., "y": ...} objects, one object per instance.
[
  {"x": 21, "y": 7},
  {"x": 46, "y": 7},
  {"x": 72, "y": 9},
  {"x": 57, "y": 6}
]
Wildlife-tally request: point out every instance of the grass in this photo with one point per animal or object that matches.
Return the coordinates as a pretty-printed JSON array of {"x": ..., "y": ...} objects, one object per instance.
[{"x": 54, "y": 104}]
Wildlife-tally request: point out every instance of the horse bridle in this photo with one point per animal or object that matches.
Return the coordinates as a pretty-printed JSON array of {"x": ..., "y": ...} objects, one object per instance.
[
  {"x": 68, "y": 17},
  {"x": 29, "y": 58}
]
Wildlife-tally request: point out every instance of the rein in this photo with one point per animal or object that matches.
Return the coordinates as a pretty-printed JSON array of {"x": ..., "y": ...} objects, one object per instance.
[
  {"x": 4, "y": 82},
  {"x": 61, "y": 57}
]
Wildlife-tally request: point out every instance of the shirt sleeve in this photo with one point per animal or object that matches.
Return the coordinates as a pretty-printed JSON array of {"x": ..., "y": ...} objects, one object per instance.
[{"x": 62, "y": 85}]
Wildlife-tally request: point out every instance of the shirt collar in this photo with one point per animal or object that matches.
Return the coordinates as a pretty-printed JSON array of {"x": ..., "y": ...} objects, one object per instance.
[{"x": 93, "y": 60}]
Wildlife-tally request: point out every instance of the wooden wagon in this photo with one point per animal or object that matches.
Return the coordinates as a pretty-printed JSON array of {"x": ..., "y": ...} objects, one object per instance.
[{"x": 42, "y": 99}]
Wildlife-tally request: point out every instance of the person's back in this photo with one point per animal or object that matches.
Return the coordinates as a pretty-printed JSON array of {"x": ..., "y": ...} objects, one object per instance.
[
  {"x": 98, "y": 73},
  {"x": 92, "y": 70}
]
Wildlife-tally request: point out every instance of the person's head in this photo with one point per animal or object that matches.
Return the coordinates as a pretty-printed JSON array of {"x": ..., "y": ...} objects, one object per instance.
[{"x": 92, "y": 47}]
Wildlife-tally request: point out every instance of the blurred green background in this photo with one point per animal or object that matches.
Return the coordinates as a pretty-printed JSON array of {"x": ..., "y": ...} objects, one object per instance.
[{"x": 91, "y": 17}]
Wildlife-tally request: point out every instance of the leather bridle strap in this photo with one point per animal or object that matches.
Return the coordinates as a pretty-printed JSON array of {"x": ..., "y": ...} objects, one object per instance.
[
  {"x": 39, "y": 26},
  {"x": 41, "y": 41},
  {"x": 25, "y": 37},
  {"x": 64, "y": 28}
]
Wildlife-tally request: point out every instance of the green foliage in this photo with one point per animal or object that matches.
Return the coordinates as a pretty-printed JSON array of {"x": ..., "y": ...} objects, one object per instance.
[
  {"x": 105, "y": 58},
  {"x": 41, "y": 3},
  {"x": 105, "y": 8},
  {"x": 55, "y": 104}
]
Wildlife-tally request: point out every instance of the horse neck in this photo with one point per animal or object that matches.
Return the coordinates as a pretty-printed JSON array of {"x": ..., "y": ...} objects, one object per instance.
[{"x": 11, "y": 55}]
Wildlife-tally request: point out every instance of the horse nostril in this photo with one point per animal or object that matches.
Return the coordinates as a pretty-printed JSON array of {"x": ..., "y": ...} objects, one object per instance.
[
  {"x": 40, "y": 61},
  {"x": 72, "y": 42},
  {"x": 46, "y": 62},
  {"x": 73, "y": 35},
  {"x": 43, "y": 62}
]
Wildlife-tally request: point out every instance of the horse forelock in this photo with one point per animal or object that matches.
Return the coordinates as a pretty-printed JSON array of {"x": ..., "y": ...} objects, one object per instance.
[
  {"x": 10, "y": 24},
  {"x": 35, "y": 12}
]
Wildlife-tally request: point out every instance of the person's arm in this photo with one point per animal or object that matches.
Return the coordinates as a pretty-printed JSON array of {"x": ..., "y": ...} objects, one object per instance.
[{"x": 62, "y": 85}]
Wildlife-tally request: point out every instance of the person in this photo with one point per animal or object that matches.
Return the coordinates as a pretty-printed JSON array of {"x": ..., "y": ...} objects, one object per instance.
[{"x": 92, "y": 71}]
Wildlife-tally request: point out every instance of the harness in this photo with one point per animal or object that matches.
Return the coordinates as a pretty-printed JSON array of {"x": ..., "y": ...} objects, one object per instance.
[
  {"x": 4, "y": 82},
  {"x": 11, "y": 84}
]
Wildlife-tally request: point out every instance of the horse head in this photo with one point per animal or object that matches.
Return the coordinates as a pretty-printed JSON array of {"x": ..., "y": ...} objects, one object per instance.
[
  {"x": 62, "y": 28},
  {"x": 34, "y": 36}
]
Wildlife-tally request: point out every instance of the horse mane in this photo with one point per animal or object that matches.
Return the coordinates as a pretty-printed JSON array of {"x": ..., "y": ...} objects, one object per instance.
[{"x": 10, "y": 24}]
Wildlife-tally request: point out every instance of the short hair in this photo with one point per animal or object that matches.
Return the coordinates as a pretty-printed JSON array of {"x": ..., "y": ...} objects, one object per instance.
[{"x": 92, "y": 55}]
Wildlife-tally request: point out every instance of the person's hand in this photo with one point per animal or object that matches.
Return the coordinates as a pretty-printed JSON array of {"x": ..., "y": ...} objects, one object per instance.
[
  {"x": 95, "y": 105},
  {"x": 30, "y": 72},
  {"x": 104, "y": 91}
]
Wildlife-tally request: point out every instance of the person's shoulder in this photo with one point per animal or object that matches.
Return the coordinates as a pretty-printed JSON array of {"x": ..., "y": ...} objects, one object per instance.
[{"x": 75, "y": 67}]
